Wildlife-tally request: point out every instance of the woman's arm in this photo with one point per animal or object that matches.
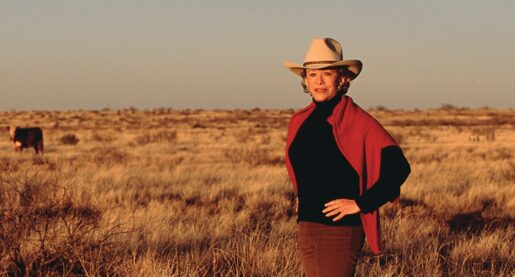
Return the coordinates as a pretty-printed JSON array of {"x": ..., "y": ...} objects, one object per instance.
[{"x": 394, "y": 171}]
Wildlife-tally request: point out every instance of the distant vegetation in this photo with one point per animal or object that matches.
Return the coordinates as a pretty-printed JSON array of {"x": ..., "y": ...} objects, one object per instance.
[
  {"x": 205, "y": 193},
  {"x": 69, "y": 139}
]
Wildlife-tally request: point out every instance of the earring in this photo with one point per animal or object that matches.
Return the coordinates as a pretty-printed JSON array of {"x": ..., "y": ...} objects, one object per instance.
[
  {"x": 305, "y": 87},
  {"x": 343, "y": 87}
]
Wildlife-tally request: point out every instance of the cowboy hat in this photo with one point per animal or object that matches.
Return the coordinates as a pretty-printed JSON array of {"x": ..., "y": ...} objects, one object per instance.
[{"x": 325, "y": 53}]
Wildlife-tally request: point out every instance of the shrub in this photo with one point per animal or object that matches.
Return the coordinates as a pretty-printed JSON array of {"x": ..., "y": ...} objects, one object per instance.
[
  {"x": 399, "y": 137},
  {"x": 162, "y": 136},
  {"x": 69, "y": 139},
  {"x": 253, "y": 156},
  {"x": 109, "y": 156},
  {"x": 447, "y": 107},
  {"x": 380, "y": 108},
  {"x": 487, "y": 133},
  {"x": 44, "y": 232},
  {"x": 103, "y": 138},
  {"x": 243, "y": 136}
]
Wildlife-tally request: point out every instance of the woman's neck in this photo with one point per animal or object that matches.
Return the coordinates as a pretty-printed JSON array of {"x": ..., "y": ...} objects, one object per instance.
[{"x": 329, "y": 103}]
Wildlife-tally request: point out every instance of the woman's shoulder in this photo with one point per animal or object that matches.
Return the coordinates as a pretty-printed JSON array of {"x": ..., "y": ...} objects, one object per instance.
[
  {"x": 366, "y": 124},
  {"x": 301, "y": 113},
  {"x": 303, "y": 110},
  {"x": 362, "y": 116},
  {"x": 298, "y": 118}
]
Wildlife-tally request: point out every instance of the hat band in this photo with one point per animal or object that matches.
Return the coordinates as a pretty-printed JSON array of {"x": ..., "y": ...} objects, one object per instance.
[{"x": 319, "y": 62}]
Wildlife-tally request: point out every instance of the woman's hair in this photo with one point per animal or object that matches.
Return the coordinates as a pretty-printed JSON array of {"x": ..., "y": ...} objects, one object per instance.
[{"x": 341, "y": 71}]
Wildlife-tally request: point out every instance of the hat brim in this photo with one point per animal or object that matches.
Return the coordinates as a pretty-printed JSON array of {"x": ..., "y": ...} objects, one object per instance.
[{"x": 353, "y": 67}]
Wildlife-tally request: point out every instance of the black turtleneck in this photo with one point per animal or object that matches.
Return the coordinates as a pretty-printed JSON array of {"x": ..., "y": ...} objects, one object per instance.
[{"x": 324, "y": 174}]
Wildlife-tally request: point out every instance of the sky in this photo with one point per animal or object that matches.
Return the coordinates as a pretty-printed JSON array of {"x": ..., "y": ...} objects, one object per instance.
[{"x": 96, "y": 54}]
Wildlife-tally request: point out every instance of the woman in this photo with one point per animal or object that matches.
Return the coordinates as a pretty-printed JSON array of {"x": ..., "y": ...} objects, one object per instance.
[{"x": 343, "y": 165}]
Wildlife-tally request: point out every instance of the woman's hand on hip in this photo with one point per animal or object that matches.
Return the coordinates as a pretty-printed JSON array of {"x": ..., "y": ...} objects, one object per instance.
[{"x": 340, "y": 207}]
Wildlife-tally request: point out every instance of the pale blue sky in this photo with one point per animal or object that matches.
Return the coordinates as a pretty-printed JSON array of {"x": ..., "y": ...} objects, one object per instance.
[{"x": 228, "y": 54}]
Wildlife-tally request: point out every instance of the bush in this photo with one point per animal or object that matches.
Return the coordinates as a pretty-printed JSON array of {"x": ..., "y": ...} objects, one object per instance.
[
  {"x": 109, "y": 156},
  {"x": 69, "y": 139},
  {"x": 399, "y": 137},
  {"x": 44, "y": 232},
  {"x": 447, "y": 107},
  {"x": 479, "y": 133},
  {"x": 253, "y": 156},
  {"x": 163, "y": 136}
]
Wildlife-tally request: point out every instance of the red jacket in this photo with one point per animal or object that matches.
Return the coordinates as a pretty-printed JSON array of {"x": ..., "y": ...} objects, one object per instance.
[{"x": 360, "y": 138}]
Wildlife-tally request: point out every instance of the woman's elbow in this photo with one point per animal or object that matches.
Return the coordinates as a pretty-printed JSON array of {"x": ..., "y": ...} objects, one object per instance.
[{"x": 405, "y": 171}]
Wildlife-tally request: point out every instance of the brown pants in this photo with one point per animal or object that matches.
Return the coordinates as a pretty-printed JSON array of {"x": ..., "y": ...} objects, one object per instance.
[{"x": 329, "y": 250}]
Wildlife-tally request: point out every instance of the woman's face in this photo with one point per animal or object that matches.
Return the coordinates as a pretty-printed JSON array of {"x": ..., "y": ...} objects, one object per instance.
[{"x": 323, "y": 83}]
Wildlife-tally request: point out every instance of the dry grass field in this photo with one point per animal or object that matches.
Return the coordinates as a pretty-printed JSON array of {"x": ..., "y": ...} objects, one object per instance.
[{"x": 205, "y": 193}]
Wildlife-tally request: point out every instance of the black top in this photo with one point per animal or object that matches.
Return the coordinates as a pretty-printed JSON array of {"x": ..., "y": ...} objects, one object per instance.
[{"x": 324, "y": 174}]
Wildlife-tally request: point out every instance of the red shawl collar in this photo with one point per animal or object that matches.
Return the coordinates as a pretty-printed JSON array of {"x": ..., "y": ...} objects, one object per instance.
[{"x": 360, "y": 138}]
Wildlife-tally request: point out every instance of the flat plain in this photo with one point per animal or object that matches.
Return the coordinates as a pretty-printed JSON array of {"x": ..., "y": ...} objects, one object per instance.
[{"x": 169, "y": 192}]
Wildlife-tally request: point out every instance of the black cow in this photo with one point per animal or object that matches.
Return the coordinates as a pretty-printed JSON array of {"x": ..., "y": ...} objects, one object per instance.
[{"x": 26, "y": 137}]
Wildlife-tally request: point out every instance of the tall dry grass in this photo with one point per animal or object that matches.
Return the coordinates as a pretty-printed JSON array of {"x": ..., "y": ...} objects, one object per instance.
[{"x": 200, "y": 193}]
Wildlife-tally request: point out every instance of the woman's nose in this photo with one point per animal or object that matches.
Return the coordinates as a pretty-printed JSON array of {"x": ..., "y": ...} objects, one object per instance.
[{"x": 320, "y": 79}]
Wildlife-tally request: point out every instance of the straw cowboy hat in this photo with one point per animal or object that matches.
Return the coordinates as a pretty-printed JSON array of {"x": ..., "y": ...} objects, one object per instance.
[{"x": 325, "y": 53}]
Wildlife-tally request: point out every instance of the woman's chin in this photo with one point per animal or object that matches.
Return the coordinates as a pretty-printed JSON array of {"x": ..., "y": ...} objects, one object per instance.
[{"x": 320, "y": 98}]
